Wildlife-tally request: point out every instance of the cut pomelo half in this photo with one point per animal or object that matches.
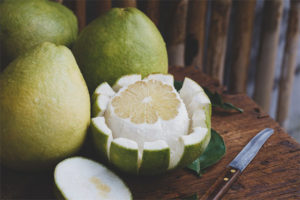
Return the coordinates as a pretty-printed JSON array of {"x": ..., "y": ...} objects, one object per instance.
[
  {"x": 147, "y": 127},
  {"x": 81, "y": 178}
]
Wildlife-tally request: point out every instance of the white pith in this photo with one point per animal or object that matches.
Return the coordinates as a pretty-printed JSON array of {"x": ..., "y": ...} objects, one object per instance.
[
  {"x": 188, "y": 127},
  {"x": 125, "y": 81},
  {"x": 80, "y": 178}
]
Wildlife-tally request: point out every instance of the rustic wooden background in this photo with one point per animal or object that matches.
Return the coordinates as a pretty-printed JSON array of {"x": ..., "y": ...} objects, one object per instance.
[{"x": 197, "y": 33}]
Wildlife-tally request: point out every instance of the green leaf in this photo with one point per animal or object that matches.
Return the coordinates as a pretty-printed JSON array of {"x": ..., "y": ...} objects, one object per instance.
[
  {"x": 195, "y": 166},
  {"x": 213, "y": 153}
]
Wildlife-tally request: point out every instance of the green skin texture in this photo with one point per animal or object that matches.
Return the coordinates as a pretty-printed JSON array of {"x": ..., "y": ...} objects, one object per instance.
[
  {"x": 26, "y": 23},
  {"x": 44, "y": 108},
  {"x": 122, "y": 41}
]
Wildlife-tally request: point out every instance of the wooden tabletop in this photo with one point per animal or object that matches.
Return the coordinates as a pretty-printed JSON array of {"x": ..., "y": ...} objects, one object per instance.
[{"x": 273, "y": 174}]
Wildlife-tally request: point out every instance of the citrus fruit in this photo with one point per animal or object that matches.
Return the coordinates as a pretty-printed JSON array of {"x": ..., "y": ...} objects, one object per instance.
[
  {"x": 119, "y": 42},
  {"x": 25, "y": 24},
  {"x": 147, "y": 127},
  {"x": 44, "y": 108},
  {"x": 81, "y": 178}
]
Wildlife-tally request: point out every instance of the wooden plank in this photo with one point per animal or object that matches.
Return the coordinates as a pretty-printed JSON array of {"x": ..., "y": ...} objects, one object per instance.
[
  {"x": 195, "y": 35},
  {"x": 103, "y": 6},
  {"x": 80, "y": 11},
  {"x": 176, "y": 33},
  {"x": 217, "y": 38},
  {"x": 273, "y": 174},
  {"x": 241, "y": 45},
  {"x": 289, "y": 62},
  {"x": 125, "y": 3},
  {"x": 272, "y": 14},
  {"x": 152, "y": 10}
]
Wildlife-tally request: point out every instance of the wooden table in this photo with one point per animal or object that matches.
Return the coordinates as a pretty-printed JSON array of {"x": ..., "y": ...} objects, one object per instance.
[{"x": 273, "y": 174}]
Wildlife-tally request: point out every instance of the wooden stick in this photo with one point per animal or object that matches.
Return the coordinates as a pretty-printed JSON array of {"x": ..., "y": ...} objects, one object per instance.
[
  {"x": 288, "y": 62},
  {"x": 125, "y": 3},
  {"x": 152, "y": 10},
  {"x": 217, "y": 38},
  {"x": 80, "y": 11},
  {"x": 103, "y": 6},
  {"x": 59, "y": 1},
  {"x": 195, "y": 35},
  {"x": 241, "y": 45},
  {"x": 272, "y": 14},
  {"x": 176, "y": 33}
]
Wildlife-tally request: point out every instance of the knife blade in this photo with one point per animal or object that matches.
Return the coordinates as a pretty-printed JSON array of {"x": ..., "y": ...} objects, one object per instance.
[{"x": 237, "y": 165}]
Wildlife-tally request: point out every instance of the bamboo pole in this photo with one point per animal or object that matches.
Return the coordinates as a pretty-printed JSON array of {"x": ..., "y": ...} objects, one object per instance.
[
  {"x": 272, "y": 14},
  {"x": 195, "y": 35},
  {"x": 288, "y": 62},
  {"x": 125, "y": 3},
  {"x": 103, "y": 6},
  {"x": 241, "y": 45},
  {"x": 176, "y": 33},
  {"x": 80, "y": 11},
  {"x": 217, "y": 38},
  {"x": 152, "y": 10}
]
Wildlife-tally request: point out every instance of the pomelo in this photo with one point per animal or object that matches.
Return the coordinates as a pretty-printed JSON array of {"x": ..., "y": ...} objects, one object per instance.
[
  {"x": 147, "y": 127},
  {"x": 121, "y": 41},
  {"x": 44, "y": 108},
  {"x": 26, "y": 23}
]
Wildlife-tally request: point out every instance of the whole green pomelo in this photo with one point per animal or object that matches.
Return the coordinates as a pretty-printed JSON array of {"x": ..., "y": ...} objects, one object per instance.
[
  {"x": 26, "y": 23},
  {"x": 44, "y": 108},
  {"x": 122, "y": 41}
]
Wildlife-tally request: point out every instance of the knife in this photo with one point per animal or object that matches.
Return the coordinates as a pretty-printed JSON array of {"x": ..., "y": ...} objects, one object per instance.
[{"x": 236, "y": 167}]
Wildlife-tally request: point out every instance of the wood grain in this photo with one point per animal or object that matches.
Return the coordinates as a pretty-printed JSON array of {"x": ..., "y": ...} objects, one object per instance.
[
  {"x": 265, "y": 70},
  {"x": 195, "y": 33},
  {"x": 273, "y": 174},
  {"x": 217, "y": 38},
  {"x": 176, "y": 32},
  {"x": 288, "y": 62},
  {"x": 241, "y": 45}
]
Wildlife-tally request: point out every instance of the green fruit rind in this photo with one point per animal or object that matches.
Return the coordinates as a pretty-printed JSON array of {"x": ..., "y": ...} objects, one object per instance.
[
  {"x": 120, "y": 42},
  {"x": 44, "y": 106},
  {"x": 124, "y": 155},
  {"x": 194, "y": 145},
  {"x": 100, "y": 105},
  {"x": 126, "y": 80},
  {"x": 101, "y": 136},
  {"x": 155, "y": 159}
]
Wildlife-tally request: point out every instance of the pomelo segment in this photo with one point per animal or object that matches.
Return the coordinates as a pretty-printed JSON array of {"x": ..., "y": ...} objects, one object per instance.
[
  {"x": 156, "y": 157},
  {"x": 194, "y": 145},
  {"x": 103, "y": 88},
  {"x": 165, "y": 78},
  {"x": 81, "y": 178},
  {"x": 124, "y": 155},
  {"x": 126, "y": 80},
  {"x": 101, "y": 136}
]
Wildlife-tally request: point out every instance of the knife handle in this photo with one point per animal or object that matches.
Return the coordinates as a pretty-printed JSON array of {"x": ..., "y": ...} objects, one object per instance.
[{"x": 222, "y": 184}]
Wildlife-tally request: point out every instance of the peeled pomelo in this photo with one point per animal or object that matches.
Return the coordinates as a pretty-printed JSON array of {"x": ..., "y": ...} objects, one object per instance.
[
  {"x": 44, "y": 108},
  {"x": 81, "y": 178},
  {"x": 122, "y": 41},
  {"x": 147, "y": 127}
]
